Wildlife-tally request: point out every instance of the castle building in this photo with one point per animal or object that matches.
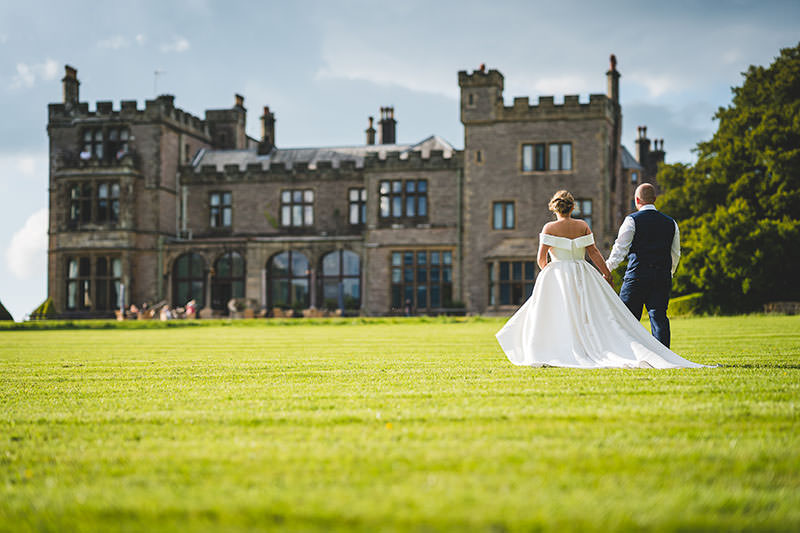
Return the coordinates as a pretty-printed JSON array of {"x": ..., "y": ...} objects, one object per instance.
[{"x": 157, "y": 205}]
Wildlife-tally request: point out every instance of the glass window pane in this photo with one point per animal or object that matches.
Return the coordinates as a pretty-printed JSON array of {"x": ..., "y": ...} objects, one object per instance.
[
  {"x": 422, "y": 275},
  {"x": 112, "y": 135},
  {"x": 397, "y": 275},
  {"x": 87, "y": 135},
  {"x": 98, "y": 151},
  {"x": 397, "y": 296},
  {"x": 434, "y": 274},
  {"x": 226, "y": 217},
  {"x": 297, "y": 196},
  {"x": 84, "y": 267},
  {"x": 422, "y": 186},
  {"x": 434, "y": 258},
  {"x": 101, "y": 267},
  {"x": 353, "y": 195},
  {"x": 411, "y": 186},
  {"x": 286, "y": 215},
  {"x": 436, "y": 296},
  {"x": 448, "y": 257},
  {"x": 497, "y": 219},
  {"x": 308, "y": 196},
  {"x": 280, "y": 292},
  {"x": 422, "y": 296},
  {"x": 516, "y": 270},
  {"x": 330, "y": 264},
  {"x": 363, "y": 213},
  {"x": 384, "y": 189},
  {"x": 408, "y": 294},
  {"x": 351, "y": 263},
  {"x": 566, "y": 156},
  {"x": 423, "y": 206},
  {"x": 509, "y": 215},
  {"x": 384, "y": 206},
  {"x": 408, "y": 275},
  {"x": 297, "y": 214},
  {"x": 397, "y": 186},
  {"x": 72, "y": 294},
  {"x": 300, "y": 292},
  {"x": 299, "y": 265},
  {"x": 553, "y": 157},
  {"x": 198, "y": 266},
  {"x": 354, "y": 212},
  {"x": 447, "y": 274},
  {"x": 123, "y": 135},
  {"x": 396, "y": 258},
  {"x": 587, "y": 207},
  {"x": 115, "y": 190},
  {"x": 98, "y": 135},
  {"x": 527, "y": 157},
  {"x": 286, "y": 197},
  {"x": 528, "y": 269},
  {"x": 330, "y": 294},
  {"x": 505, "y": 294},
  {"x": 539, "y": 162},
  {"x": 408, "y": 258},
  {"x": 308, "y": 215},
  {"x": 421, "y": 258},
  {"x": 352, "y": 293},
  {"x": 226, "y": 198},
  {"x": 182, "y": 266},
  {"x": 410, "y": 206},
  {"x": 223, "y": 267},
  {"x": 113, "y": 295},
  {"x": 102, "y": 190},
  {"x": 116, "y": 268},
  {"x": 237, "y": 265},
  {"x": 237, "y": 289},
  {"x": 397, "y": 206},
  {"x": 505, "y": 273},
  {"x": 215, "y": 199},
  {"x": 101, "y": 295},
  {"x": 279, "y": 267},
  {"x": 363, "y": 195}
]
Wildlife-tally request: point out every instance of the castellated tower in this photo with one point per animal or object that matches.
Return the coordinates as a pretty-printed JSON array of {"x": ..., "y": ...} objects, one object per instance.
[{"x": 515, "y": 158}]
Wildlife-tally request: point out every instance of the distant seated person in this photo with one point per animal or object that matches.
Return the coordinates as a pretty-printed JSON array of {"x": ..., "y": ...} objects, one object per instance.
[
  {"x": 134, "y": 311},
  {"x": 122, "y": 152},
  {"x": 191, "y": 308}
]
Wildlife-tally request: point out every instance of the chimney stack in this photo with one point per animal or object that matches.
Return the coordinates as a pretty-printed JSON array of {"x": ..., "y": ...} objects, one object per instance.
[
  {"x": 370, "y": 132},
  {"x": 70, "y": 83},
  {"x": 613, "y": 79},
  {"x": 238, "y": 100},
  {"x": 267, "y": 132},
  {"x": 388, "y": 126}
]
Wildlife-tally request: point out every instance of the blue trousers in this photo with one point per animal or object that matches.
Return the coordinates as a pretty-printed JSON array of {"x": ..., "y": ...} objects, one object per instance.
[{"x": 651, "y": 291}]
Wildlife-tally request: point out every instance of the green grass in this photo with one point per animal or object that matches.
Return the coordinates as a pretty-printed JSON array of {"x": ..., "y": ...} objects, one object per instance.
[{"x": 405, "y": 426}]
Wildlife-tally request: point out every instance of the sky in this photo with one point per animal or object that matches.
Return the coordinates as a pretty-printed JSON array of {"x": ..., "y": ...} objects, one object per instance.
[{"x": 324, "y": 66}]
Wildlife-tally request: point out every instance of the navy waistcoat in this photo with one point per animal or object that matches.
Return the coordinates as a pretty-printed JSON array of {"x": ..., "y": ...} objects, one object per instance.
[{"x": 650, "y": 250}]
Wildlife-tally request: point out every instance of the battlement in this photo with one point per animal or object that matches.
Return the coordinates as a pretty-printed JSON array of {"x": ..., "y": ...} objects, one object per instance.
[
  {"x": 481, "y": 78},
  {"x": 598, "y": 105},
  {"x": 267, "y": 171},
  {"x": 161, "y": 108},
  {"x": 411, "y": 161}
]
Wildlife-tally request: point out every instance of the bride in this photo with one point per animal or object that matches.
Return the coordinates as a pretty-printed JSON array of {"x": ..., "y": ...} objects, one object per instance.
[{"x": 574, "y": 318}]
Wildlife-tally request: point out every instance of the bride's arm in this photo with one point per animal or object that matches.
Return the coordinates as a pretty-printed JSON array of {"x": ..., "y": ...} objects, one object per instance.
[
  {"x": 542, "y": 258},
  {"x": 597, "y": 259}
]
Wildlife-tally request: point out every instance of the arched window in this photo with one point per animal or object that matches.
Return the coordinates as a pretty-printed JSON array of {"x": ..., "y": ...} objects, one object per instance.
[
  {"x": 189, "y": 280},
  {"x": 289, "y": 280},
  {"x": 228, "y": 280},
  {"x": 341, "y": 280}
]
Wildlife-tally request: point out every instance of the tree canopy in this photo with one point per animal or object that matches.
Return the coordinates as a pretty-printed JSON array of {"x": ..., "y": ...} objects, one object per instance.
[{"x": 738, "y": 206}]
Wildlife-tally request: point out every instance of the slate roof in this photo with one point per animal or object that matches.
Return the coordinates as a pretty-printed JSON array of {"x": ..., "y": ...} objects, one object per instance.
[
  {"x": 628, "y": 161},
  {"x": 311, "y": 156}
]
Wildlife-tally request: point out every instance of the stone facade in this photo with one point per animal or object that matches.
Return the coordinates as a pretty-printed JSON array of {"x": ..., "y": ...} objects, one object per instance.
[{"x": 138, "y": 196}]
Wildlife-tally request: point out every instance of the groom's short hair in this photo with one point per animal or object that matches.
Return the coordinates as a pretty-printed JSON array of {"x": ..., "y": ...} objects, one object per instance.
[{"x": 646, "y": 193}]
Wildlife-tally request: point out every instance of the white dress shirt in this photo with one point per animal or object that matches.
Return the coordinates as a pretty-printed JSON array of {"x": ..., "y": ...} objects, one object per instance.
[{"x": 625, "y": 237}]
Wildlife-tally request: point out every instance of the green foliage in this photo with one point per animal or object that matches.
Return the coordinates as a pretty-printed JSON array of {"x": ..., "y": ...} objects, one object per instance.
[
  {"x": 402, "y": 426},
  {"x": 739, "y": 206},
  {"x": 687, "y": 305},
  {"x": 45, "y": 311},
  {"x": 4, "y": 314}
]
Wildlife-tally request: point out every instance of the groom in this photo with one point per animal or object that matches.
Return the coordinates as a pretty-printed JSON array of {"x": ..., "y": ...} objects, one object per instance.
[{"x": 651, "y": 241}]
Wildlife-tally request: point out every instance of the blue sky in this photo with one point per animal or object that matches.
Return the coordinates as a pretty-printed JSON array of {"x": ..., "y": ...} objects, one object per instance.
[{"x": 324, "y": 66}]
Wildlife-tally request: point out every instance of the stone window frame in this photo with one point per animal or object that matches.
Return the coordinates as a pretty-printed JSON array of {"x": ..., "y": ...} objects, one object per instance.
[
  {"x": 388, "y": 196},
  {"x": 504, "y": 225},
  {"x": 545, "y": 146},
  {"x": 399, "y": 282},
  {"x": 88, "y": 199},
  {"x": 216, "y": 212},
  {"x": 480, "y": 157},
  {"x": 87, "y": 284},
  {"x": 359, "y": 203},
  {"x": 525, "y": 283},
  {"x": 106, "y": 142},
  {"x": 580, "y": 209},
  {"x": 233, "y": 278},
  {"x": 305, "y": 201}
]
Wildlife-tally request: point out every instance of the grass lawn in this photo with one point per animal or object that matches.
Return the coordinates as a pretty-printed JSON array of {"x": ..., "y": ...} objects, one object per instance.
[{"x": 407, "y": 426}]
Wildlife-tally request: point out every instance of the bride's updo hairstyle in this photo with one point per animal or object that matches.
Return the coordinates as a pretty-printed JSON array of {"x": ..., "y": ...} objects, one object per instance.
[{"x": 562, "y": 203}]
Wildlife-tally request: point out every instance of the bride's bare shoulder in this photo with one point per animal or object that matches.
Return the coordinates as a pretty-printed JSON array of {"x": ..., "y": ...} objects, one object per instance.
[{"x": 548, "y": 228}]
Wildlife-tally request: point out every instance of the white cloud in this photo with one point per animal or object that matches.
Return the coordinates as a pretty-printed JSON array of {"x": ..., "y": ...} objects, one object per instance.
[
  {"x": 114, "y": 43},
  {"x": 657, "y": 85},
  {"x": 26, "y": 256},
  {"x": 141, "y": 39},
  {"x": 178, "y": 44},
  {"x": 26, "y": 74}
]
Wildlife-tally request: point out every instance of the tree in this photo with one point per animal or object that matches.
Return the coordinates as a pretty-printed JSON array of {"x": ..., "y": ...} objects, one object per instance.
[{"x": 738, "y": 207}]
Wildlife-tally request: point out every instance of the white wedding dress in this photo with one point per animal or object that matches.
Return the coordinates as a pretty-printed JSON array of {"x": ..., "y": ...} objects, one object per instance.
[{"x": 575, "y": 319}]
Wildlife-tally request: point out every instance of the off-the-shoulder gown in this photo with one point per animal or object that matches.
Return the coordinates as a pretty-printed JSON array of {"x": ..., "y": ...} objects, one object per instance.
[{"x": 574, "y": 318}]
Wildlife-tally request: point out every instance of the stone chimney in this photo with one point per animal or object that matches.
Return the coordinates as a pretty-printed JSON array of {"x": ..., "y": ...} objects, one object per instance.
[
  {"x": 642, "y": 146},
  {"x": 370, "y": 132},
  {"x": 388, "y": 126},
  {"x": 70, "y": 83},
  {"x": 267, "y": 132},
  {"x": 613, "y": 79},
  {"x": 238, "y": 101}
]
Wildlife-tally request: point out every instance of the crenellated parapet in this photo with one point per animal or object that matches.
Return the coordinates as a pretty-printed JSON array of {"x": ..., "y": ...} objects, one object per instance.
[
  {"x": 161, "y": 109},
  {"x": 481, "y": 78},
  {"x": 598, "y": 106},
  {"x": 413, "y": 161},
  {"x": 265, "y": 172}
]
